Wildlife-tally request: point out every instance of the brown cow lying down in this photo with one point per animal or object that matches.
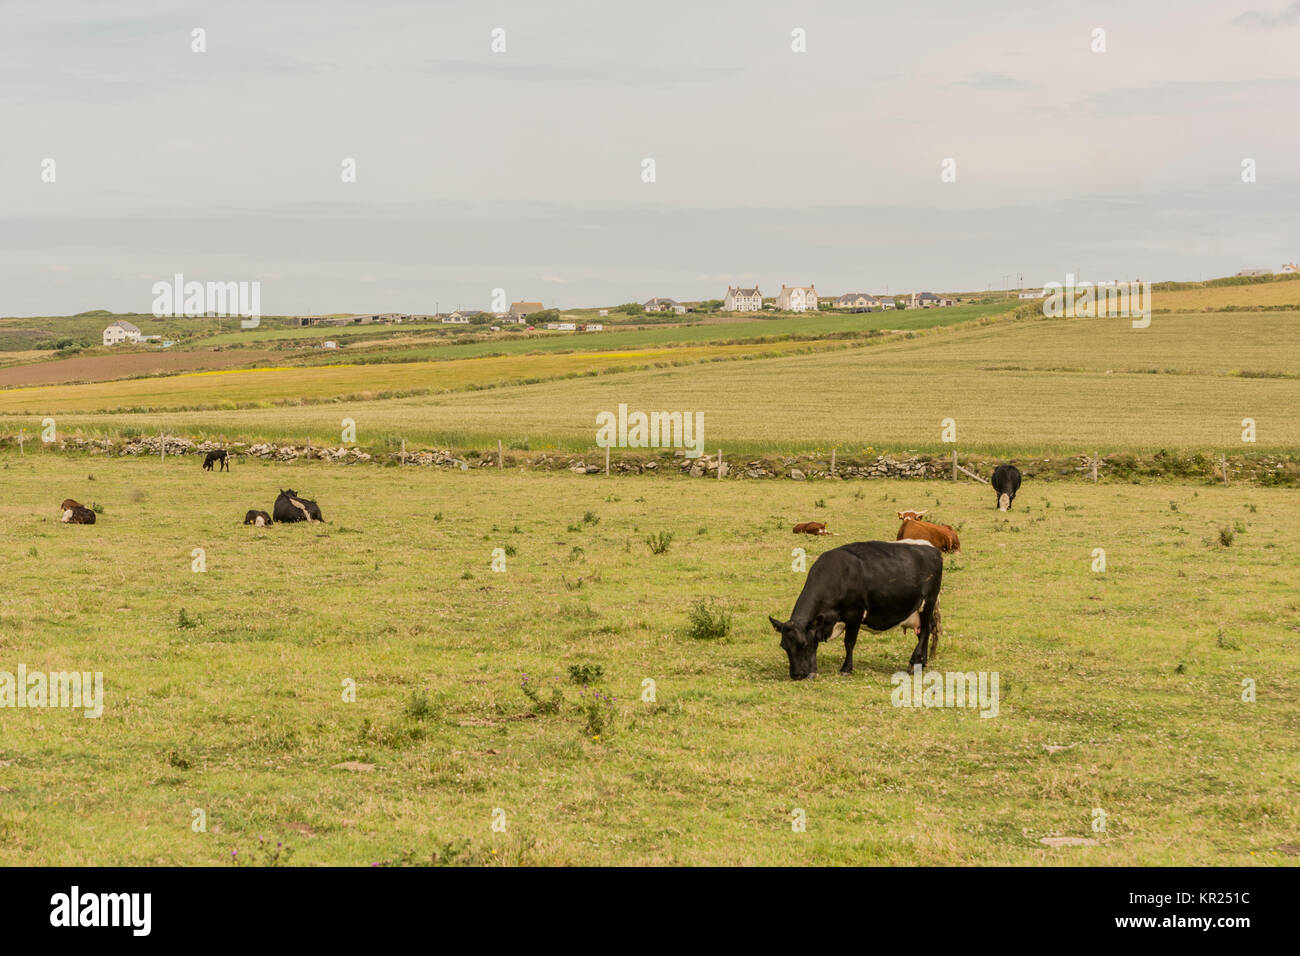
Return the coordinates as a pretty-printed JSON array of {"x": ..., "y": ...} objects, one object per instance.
[
  {"x": 940, "y": 535},
  {"x": 259, "y": 518},
  {"x": 75, "y": 513},
  {"x": 811, "y": 527}
]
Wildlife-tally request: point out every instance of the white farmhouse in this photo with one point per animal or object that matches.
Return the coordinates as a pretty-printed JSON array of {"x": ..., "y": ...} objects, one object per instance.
[
  {"x": 743, "y": 300},
  {"x": 663, "y": 304},
  {"x": 121, "y": 331},
  {"x": 797, "y": 298}
]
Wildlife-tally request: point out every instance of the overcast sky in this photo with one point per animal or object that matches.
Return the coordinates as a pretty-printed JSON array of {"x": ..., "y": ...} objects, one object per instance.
[{"x": 523, "y": 169}]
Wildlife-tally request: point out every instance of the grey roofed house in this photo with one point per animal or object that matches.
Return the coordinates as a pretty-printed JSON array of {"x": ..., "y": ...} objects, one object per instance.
[
  {"x": 125, "y": 325},
  {"x": 660, "y": 304},
  {"x": 856, "y": 299}
]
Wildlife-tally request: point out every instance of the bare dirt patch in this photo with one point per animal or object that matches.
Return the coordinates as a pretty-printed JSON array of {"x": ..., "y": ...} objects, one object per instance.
[{"x": 105, "y": 368}]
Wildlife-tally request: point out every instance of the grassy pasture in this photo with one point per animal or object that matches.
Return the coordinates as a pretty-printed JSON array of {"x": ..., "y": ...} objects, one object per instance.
[
  {"x": 1135, "y": 674},
  {"x": 1023, "y": 387}
]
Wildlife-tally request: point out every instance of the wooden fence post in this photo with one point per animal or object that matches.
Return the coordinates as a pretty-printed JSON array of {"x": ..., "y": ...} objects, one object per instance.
[
  {"x": 1223, "y": 465},
  {"x": 833, "y": 450},
  {"x": 1095, "y": 460},
  {"x": 22, "y": 437},
  {"x": 403, "y": 451},
  {"x": 606, "y": 461},
  {"x": 954, "y": 464},
  {"x": 501, "y": 460},
  {"x": 162, "y": 446},
  {"x": 719, "y": 464}
]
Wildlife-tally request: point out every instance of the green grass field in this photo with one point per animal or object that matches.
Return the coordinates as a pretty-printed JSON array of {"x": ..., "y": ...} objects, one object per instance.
[
  {"x": 1136, "y": 672},
  {"x": 1120, "y": 691}
]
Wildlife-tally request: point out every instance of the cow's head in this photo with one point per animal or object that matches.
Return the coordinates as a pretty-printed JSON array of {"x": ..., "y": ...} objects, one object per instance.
[
  {"x": 916, "y": 515},
  {"x": 800, "y": 642},
  {"x": 1004, "y": 502}
]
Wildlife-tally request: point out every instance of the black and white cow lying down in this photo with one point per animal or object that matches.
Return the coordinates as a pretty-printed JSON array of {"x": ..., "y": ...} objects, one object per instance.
[
  {"x": 289, "y": 508},
  {"x": 881, "y": 584},
  {"x": 259, "y": 518},
  {"x": 74, "y": 512}
]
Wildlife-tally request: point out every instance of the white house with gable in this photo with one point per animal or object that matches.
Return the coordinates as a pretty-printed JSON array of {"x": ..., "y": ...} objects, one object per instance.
[
  {"x": 121, "y": 331},
  {"x": 797, "y": 298},
  {"x": 743, "y": 300}
]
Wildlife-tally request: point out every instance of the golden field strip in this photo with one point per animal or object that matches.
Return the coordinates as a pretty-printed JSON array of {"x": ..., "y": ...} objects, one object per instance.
[
  {"x": 1252, "y": 295},
  {"x": 318, "y": 383}
]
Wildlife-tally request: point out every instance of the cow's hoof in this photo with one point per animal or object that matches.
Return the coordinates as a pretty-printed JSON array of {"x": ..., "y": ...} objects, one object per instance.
[{"x": 846, "y": 671}]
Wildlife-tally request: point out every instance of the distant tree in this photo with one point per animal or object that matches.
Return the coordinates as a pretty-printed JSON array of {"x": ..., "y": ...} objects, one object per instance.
[
  {"x": 709, "y": 305},
  {"x": 631, "y": 308},
  {"x": 546, "y": 315}
]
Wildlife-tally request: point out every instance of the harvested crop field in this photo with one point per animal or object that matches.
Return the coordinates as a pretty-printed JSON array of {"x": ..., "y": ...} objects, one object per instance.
[{"x": 106, "y": 368}]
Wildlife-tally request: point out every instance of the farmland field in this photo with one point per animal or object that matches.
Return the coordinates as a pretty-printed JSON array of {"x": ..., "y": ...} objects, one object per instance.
[
  {"x": 91, "y": 368},
  {"x": 1013, "y": 387},
  {"x": 1120, "y": 691}
]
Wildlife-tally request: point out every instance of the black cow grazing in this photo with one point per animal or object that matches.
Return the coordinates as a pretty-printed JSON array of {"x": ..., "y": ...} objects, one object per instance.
[
  {"x": 1006, "y": 482},
  {"x": 214, "y": 457},
  {"x": 877, "y": 583},
  {"x": 259, "y": 518},
  {"x": 289, "y": 507}
]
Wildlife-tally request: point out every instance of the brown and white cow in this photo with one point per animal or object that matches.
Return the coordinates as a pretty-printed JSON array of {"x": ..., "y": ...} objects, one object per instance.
[
  {"x": 810, "y": 527},
  {"x": 942, "y": 536}
]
